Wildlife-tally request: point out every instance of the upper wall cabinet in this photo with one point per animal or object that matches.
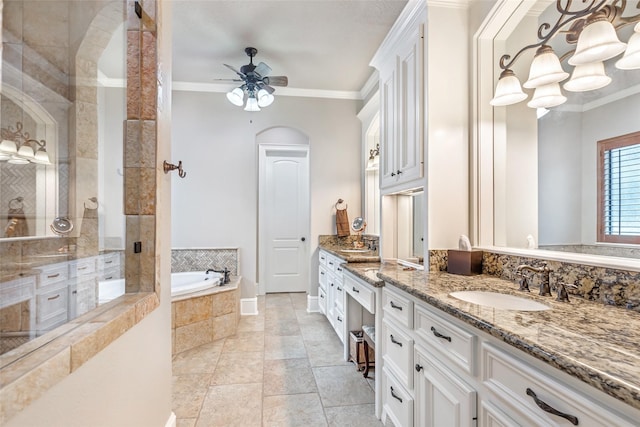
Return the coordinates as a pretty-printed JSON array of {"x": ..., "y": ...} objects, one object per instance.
[{"x": 400, "y": 64}]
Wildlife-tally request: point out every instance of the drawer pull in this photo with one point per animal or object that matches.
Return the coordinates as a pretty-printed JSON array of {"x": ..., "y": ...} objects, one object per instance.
[
  {"x": 545, "y": 407},
  {"x": 52, "y": 298},
  {"x": 322, "y": 296},
  {"x": 339, "y": 319},
  {"x": 330, "y": 263},
  {"x": 108, "y": 278},
  {"x": 82, "y": 268},
  {"x": 322, "y": 272},
  {"x": 74, "y": 292},
  {"x": 395, "y": 396},
  {"x": 339, "y": 269},
  {"x": 339, "y": 288},
  {"x": 356, "y": 290},
  {"x": 393, "y": 340},
  {"x": 397, "y": 307},
  {"x": 439, "y": 335},
  {"x": 108, "y": 262},
  {"x": 52, "y": 276},
  {"x": 419, "y": 368}
]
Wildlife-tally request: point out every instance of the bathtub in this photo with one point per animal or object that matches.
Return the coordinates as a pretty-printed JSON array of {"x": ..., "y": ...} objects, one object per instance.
[{"x": 181, "y": 284}]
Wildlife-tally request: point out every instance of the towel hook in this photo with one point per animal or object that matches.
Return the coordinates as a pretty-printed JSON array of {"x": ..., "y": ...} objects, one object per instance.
[
  {"x": 340, "y": 201},
  {"x": 18, "y": 201},
  {"x": 168, "y": 167}
]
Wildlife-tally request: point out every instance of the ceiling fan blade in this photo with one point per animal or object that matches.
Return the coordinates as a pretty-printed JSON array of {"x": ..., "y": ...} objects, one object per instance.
[
  {"x": 267, "y": 88},
  {"x": 235, "y": 71},
  {"x": 228, "y": 80},
  {"x": 276, "y": 80},
  {"x": 262, "y": 69}
]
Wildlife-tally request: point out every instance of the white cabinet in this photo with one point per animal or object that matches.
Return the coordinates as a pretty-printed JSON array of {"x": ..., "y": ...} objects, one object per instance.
[
  {"x": 400, "y": 64},
  {"x": 331, "y": 293},
  {"x": 444, "y": 399}
]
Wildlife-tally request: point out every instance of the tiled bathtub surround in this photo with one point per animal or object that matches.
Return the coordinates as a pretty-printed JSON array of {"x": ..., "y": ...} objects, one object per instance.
[
  {"x": 204, "y": 317},
  {"x": 203, "y": 259},
  {"x": 606, "y": 285}
]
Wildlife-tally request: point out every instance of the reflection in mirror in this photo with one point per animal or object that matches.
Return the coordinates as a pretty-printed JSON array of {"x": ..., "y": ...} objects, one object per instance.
[
  {"x": 410, "y": 229},
  {"x": 547, "y": 181}
]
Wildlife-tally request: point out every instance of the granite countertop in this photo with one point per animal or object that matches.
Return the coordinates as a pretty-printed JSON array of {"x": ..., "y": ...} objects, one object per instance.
[
  {"x": 345, "y": 253},
  {"x": 367, "y": 271},
  {"x": 594, "y": 343}
]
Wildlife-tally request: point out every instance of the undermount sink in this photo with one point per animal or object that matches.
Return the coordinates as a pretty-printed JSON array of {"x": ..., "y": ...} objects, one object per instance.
[
  {"x": 354, "y": 250},
  {"x": 500, "y": 301}
]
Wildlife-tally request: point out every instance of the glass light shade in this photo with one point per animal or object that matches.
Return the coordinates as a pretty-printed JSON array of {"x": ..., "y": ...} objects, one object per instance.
[
  {"x": 4, "y": 156},
  {"x": 264, "y": 98},
  {"x": 18, "y": 160},
  {"x": 7, "y": 146},
  {"x": 597, "y": 42},
  {"x": 26, "y": 152},
  {"x": 545, "y": 69},
  {"x": 41, "y": 157},
  {"x": 252, "y": 104},
  {"x": 631, "y": 58},
  {"x": 547, "y": 96},
  {"x": 236, "y": 97},
  {"x": 587, "y": 77},
  {"x": 508, "y": 90}
]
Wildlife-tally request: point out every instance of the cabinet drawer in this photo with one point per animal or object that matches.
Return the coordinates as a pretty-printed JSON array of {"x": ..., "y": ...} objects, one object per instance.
[
  {"x": 17, "y": 290},
  {"x": 322, "y": 258},
  {"x": 397, "y": 402},
  {"x": 398, "y": 352},
  {"x": 109, "y": 274},
  {"x": 333, "y": 263},
  {"x": 455, "y": 343},
  {"x": 338, "y": 323},
  {"x": 364, "y": 295},
  {"x": 82, "y": 267},
  {"x": 51, "y": 304},
  {"x": 514, "y": 382},
  {"x": 322, "y": 300},
  {"x": 339, "y": 271},
  {"x": 398, "y": 307},
  {"x": 339, "y": 296},
  {"x": 107, "y": 261},
  {"x": 322, "y": 277},
  {"x": 52, "y": 274}
]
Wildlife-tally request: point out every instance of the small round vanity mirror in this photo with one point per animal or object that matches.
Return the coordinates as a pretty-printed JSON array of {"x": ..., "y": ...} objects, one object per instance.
[
  {"x": 359, "y": 224},
  {"x": 61, "y": 226}
]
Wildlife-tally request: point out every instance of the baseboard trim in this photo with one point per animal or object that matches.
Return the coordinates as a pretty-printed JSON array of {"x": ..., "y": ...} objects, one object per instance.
[
  {"x": 312, "y": 304},
  {"x": 249, "y": 306},
  {"x": 171, "y": 422}
]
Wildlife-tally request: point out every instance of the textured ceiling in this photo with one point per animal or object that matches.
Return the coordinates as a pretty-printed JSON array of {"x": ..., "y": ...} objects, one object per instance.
[{"x": 318, "y": 44}]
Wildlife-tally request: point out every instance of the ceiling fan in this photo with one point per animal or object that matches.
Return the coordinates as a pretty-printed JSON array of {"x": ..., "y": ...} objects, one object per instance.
[{"x": 257, "y": 83}]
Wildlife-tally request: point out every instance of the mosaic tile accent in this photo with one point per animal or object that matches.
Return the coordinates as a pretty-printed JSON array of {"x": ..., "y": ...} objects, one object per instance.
[{"x": 203, "y": 259}]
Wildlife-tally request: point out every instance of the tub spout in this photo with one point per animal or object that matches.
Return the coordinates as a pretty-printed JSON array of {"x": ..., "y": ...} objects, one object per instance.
[{"x": 225, "y": 274}]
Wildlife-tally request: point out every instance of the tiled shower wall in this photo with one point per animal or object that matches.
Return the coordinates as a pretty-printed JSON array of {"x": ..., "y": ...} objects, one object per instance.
[
  {"x": 203, "y": 259},
  {"x": 606, "y": 285}
]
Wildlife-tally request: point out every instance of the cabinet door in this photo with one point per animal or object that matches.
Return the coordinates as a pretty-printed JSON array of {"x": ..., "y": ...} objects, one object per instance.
[
  {"x": 388, "y": 126},
  {"x": 409, "y": 146},
  {"x": 442, "y": 398}
]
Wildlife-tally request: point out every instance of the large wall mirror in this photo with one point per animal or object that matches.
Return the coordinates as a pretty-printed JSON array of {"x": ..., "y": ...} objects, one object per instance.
[
  {"x": 537, "y": 167},
  {"x": 404, "y": 229}
]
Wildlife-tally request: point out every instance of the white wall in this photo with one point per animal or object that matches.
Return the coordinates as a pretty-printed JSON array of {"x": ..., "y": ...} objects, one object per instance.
[
  {"x": 216, "y": 204},
  {"x": 447, "y": 137}
]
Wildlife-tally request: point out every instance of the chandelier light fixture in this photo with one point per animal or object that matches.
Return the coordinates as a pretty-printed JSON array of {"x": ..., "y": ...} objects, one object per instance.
[
  {"x": 17, "y": 147},
  {"x": 594, "y": 32}
]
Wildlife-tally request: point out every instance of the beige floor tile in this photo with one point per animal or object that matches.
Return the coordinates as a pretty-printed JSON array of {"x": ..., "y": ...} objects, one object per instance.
[
  {"x": 198, "y": 360},
  {"x": 282, "y": 327},
  {"x": 251, "y": 323},
  {"x": 320, "y": 331},
  {"x": 299, "y": 300},
  {"x": 278, "y": 300},
  {"x": 244, "y": 342},
  {"x": 342, "y": 386},
  {"x": 288, "y": 376},
  {"x": 239, "y": 368},
  {"x": 281, "y": 313},
  {"x": 327, "y": 352},
  {"x": 189, "y": 392},
  {"x": 304, "y": 410},
  {"x": 186, "y": 422},
  {"x": 352, "y": 416},
  {"x": 277, "y": 347},
  {"x": 310, "y": 319},
  {"x": 232, "y": 405}
]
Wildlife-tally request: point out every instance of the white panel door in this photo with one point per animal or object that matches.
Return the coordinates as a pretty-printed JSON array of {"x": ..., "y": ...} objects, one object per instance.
[{"x": 285, "y": 219}]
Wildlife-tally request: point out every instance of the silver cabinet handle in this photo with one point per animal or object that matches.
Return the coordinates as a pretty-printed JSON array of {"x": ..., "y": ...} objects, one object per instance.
[
  {"x": 339, "y": 288},
  {"x": 52, "y": 298},
  {"x": 356, "y": 290},
  {"x": 547, "y": 408},
  {"x": 393, "y": 340},
  {"x": 439, "y": 335},
  {"x": 397, "y": 307},
  {"x": 339, "y": 319},
  {"x": 52, "y": 276}
]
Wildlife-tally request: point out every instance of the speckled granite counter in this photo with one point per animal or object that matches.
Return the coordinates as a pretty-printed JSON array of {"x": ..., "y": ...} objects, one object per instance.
[
  {"x": 367, "y": 271},
  {"x": 597, "y": 344},
  {"x": 343, "y": 248}
]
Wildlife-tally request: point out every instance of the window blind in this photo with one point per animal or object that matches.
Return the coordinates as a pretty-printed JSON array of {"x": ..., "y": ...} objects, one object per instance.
[{"x": 621, "y": 191}]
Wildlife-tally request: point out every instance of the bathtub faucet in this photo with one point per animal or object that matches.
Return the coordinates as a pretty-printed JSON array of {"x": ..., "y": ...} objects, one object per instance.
[{"x": 225, "y": 274}]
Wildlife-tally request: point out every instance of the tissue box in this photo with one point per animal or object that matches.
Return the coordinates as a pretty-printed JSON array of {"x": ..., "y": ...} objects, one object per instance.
[{"x": 466, "y": 263}]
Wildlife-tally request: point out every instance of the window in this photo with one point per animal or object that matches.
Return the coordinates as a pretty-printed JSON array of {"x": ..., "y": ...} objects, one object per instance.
[{"x": 619, "y": 189}]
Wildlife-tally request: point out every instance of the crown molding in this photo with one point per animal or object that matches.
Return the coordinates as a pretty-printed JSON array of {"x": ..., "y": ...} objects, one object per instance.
[
  {"x": 280, "y": 91},
  {"x": 452, "y": 4}
]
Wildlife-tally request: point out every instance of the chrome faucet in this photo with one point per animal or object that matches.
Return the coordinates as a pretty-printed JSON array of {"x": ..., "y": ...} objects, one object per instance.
[
  {"x": 545, "y": 289},
  {"x": 225, "y": 275}
]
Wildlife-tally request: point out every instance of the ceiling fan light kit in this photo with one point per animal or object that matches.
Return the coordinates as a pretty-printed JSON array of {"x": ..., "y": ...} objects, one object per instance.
[{"x": 257, "y": 84}]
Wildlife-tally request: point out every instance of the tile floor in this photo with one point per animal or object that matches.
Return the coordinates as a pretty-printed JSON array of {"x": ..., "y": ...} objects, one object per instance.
[{"x": 283, "y": 367}]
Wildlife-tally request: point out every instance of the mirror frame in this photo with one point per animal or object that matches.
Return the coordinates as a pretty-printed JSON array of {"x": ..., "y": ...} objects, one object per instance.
[{"x": 488, "y": 128}]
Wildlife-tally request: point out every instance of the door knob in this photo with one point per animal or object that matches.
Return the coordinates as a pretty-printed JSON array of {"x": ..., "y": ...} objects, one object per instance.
[{"x": 303, "y": 239}]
